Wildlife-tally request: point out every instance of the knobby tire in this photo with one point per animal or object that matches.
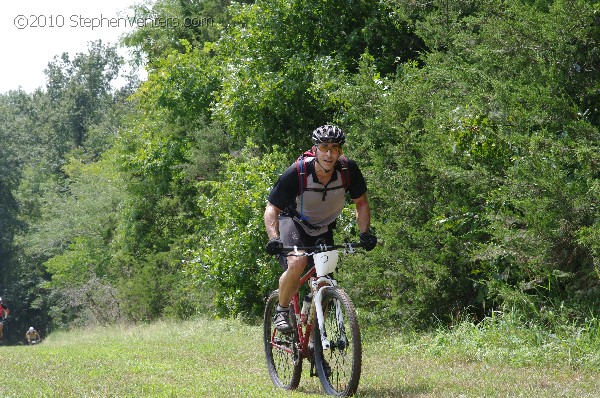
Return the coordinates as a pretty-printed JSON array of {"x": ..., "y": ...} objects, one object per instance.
[
  {"x": 344, "y": 358},
  {"x": 281, "y": 350}
]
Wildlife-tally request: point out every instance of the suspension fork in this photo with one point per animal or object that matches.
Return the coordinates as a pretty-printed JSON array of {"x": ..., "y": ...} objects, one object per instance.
[{"x": 318, "y": 285}]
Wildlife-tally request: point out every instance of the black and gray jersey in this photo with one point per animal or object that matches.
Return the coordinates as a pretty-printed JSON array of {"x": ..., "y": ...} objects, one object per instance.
[{"x": 320, "y": 205}]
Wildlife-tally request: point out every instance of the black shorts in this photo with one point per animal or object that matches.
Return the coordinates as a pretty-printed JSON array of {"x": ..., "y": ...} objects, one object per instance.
[{"x": 292, "y": 234}]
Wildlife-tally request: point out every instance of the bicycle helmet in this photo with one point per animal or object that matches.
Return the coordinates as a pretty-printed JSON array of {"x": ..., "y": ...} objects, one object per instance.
[{"x": 328, "y": 134}]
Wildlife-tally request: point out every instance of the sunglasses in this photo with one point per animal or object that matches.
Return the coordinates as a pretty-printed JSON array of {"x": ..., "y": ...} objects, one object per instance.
[{"x": 335, "y": 149}]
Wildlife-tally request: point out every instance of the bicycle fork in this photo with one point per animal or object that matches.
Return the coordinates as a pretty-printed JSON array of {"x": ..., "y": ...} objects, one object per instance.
[{"x": 317, "y": 297}]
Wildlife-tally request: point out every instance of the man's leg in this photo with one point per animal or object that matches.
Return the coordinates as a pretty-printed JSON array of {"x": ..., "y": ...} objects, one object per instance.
[
  {"x": 290, "y": 279},
  {"x": 293, "y": 266},
  {"x": 291, "y": 234}
]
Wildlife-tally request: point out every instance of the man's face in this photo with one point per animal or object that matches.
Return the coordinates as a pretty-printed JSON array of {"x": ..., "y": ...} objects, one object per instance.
[{"x": 328, "y": 154}]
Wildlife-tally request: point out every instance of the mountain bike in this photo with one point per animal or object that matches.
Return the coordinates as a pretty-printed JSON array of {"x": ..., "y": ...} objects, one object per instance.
[{"x": 325, "y": 328}]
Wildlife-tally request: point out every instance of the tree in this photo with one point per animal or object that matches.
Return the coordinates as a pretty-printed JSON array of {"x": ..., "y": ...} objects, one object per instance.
[
  {"x": 488, "y": 160},
  {"x": 9, "y": 175},
  {"x": 169, "y": 24},
  {"x": 281, "y": 60},
  {"x": 71, "y": 122},
  {"x": 231, "y": 258},
  {"x": 79, "y": 92}
]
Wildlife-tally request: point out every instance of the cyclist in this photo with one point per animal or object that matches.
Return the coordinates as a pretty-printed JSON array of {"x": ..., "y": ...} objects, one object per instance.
[
  {"x": 4, "y": 311},
  {"x": 32, "y": 336},
  {"x": 292, "y": 219}
]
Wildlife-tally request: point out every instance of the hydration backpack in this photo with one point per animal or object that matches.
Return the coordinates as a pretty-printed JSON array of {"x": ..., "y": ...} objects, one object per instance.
[{"x": 341, "y": 166}]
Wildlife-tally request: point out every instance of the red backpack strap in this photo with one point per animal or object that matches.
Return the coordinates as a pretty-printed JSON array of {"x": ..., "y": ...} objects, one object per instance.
[
  {"x": 302, "y": 178},
  {"x": 301, "y": 169},
  {"x": 344, "y": 171}
]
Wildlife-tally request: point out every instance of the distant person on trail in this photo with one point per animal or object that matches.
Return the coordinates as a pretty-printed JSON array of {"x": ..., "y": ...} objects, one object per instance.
[
  {"x": 4, "y": 311},
  {"x": 304, "y": 205},
  {"x": 32, "y": 336}
]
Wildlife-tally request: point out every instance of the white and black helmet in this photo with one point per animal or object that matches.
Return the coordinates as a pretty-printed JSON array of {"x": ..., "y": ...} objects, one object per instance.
[{"x": 328, "y": 134}]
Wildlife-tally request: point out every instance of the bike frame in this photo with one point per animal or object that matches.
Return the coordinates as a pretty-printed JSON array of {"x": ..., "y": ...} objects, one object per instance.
[
  {"x": 304, "y": 336},
  {"x": 316, "y": 286}
]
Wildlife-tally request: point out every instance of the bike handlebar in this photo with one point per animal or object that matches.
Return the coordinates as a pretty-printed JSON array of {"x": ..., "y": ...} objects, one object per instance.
[{"x": 320, "y": 248}]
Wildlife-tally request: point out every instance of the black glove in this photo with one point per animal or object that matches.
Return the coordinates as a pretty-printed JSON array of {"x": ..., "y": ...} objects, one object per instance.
[
  {"x": 274, "y": 246},
  {"x": 368, "y": 241}
]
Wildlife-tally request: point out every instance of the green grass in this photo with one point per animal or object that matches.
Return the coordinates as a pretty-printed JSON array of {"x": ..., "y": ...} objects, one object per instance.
[{"x": 224, "y": 358}]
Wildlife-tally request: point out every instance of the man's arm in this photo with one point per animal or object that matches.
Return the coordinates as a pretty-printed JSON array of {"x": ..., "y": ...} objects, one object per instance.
[
  {"x": 271, "y": 218},
  {"x": 363, "y": 213}
]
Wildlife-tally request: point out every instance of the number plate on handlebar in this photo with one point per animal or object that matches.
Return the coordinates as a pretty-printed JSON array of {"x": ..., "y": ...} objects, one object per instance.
[{"x": 326, "y": 262}]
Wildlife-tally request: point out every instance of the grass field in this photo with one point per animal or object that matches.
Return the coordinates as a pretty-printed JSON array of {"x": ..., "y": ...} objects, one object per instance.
[{"x": 224, "y": 358}]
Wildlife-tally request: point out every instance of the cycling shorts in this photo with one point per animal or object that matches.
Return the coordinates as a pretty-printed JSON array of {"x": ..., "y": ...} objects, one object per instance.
[{"x": 292, "y": 234}]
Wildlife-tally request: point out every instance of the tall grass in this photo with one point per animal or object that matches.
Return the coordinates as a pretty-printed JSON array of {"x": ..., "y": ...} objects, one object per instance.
[
  {"x": 509, "y": 339},
  {"x": 500, "y": 357}
]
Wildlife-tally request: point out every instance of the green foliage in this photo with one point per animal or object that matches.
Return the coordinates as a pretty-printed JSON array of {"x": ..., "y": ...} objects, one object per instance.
[
  {"x": 231, "y": 256},
  {"x": 444, "y": 142},
  {"x": 79, "y": 90},
  {"x": 172, "y": 23},
  {"x": 9, "y": 177},
  {"x": 157, "y": 214},
  {"x": 280, "y": 60},
  {"x": 546, "y": 204},
  {"x": 475, "y": 124},
  {"x": 519, "y": 341},
  {"x": 66, "y": 206},
  {"x": 74, "y": 233},
  {"x": 185, "y": 86}
]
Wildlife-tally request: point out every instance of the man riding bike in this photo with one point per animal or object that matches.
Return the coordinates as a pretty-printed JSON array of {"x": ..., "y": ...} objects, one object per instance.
[
  {"x": 304, "y": 205},
  {"x": 32, "y": 336}
]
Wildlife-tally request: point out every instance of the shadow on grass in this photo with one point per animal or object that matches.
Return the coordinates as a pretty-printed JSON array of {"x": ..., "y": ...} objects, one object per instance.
[
  {"x": 395, "y": 392},
  {"x": 374, "y": 392}
]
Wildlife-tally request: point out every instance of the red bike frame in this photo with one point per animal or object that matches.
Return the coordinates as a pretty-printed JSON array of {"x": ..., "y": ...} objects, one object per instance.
[{"x": 304, "y": 338}]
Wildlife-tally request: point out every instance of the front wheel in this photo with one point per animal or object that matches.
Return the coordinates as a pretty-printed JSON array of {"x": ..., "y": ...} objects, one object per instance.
[
  {"x": 281, "y": 350},
  {"x": 339, "y": 367}
]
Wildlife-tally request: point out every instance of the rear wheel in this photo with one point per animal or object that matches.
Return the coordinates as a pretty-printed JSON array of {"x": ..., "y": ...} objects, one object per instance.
[
  {"x": 339, "y": 367},
  {"x": 281, "y": 350}
]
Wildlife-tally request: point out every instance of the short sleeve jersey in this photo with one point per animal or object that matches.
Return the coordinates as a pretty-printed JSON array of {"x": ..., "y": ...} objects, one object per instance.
[{"x": 320, "y": 205}]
